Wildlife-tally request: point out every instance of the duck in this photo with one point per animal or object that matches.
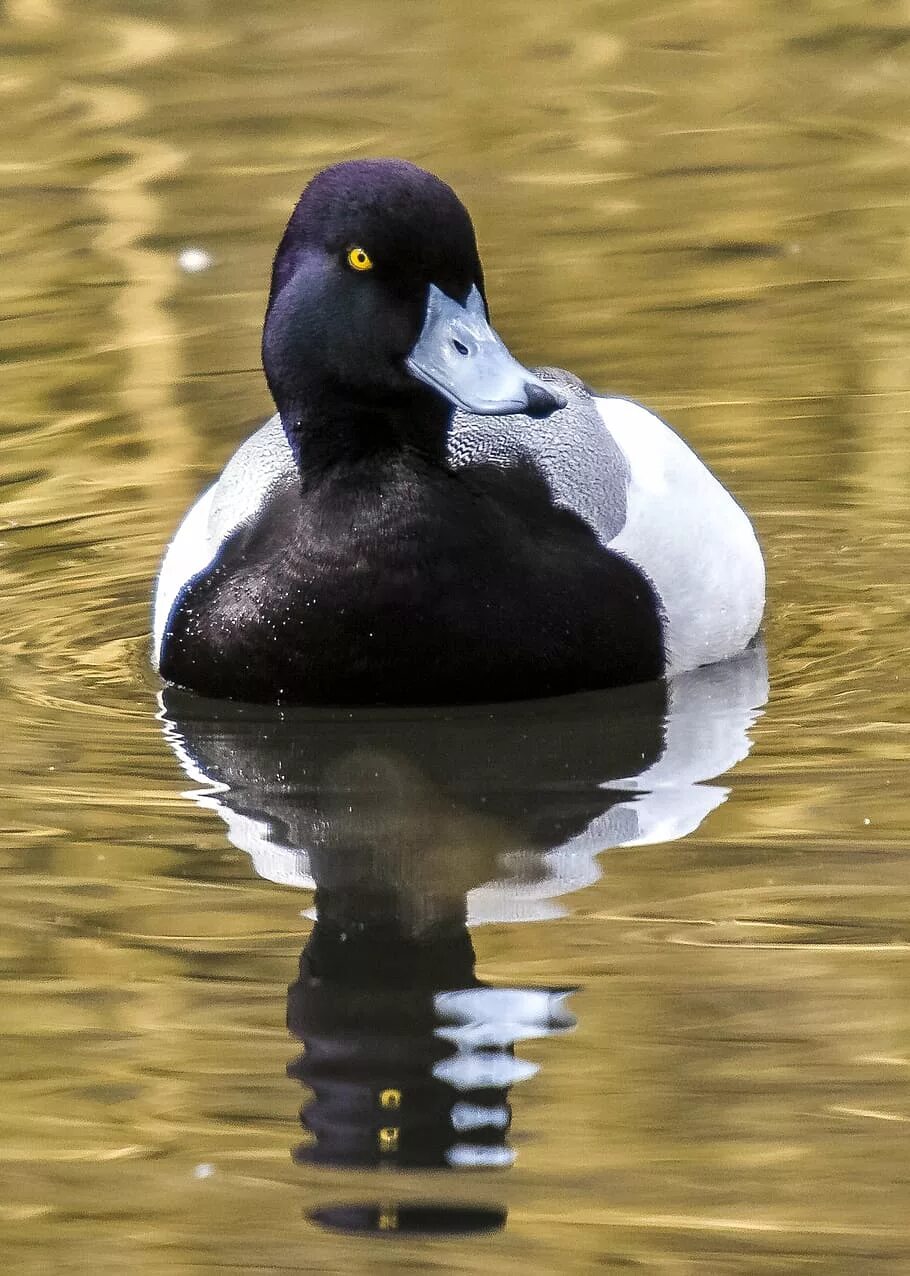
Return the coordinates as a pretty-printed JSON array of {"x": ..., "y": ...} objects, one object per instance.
[{"x": 424, "y": 520}]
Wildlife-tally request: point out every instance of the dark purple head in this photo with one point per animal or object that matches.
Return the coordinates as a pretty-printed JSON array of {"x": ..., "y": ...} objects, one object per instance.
[{"x": 377, "y": 293}]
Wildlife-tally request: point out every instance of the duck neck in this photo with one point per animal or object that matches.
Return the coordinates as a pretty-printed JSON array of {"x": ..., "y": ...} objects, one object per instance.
[{"x": 326, "y": 431}]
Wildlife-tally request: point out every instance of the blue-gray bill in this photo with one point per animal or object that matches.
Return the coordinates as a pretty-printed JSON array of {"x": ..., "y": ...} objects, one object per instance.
[{"x": 459, "y": 355}]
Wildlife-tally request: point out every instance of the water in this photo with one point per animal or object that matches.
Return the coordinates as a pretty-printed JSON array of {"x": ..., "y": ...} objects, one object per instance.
[{"x": 617, "y": 983}]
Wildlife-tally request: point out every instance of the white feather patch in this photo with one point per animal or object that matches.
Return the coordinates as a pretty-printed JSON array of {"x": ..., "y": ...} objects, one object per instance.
[
  {"x": 188, "y": 554},
  {"x": 690, "y": 538},
  {"x": 254, "y": 472}
]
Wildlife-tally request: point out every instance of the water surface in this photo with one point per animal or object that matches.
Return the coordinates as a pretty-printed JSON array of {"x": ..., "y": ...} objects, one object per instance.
[{"x": 665, "y": 933}]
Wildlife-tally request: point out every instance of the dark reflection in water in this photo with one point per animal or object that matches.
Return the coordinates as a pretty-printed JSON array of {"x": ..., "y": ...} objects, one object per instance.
[
  {"x": 409, "y": 1057},
  {"x": 411, "y": 826},
  {"x": 411, "y": 1220}
]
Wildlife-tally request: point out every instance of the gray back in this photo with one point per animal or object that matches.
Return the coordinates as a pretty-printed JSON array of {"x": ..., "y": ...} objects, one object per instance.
[{"x": 572, "y": 450}]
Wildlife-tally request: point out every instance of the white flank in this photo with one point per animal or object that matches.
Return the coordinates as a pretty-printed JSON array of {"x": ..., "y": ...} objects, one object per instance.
[
  {"x": 188, "y": 554},
  {"x": 252, "y": 474},
  {"x": 689, "y": 537}
]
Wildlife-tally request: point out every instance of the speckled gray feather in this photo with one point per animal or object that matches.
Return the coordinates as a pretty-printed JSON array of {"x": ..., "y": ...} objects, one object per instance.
[
  {"x": 582, "y": 465},
  {"x": 262, "y": 466},
  {"x": 572, "y": 451}
]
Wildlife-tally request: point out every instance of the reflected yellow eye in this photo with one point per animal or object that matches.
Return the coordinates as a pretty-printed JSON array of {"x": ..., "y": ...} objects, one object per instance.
[{"x": 359, "y": 259}]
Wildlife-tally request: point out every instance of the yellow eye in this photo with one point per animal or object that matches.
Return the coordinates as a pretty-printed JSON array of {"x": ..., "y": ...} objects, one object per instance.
[{"x": 359, "y": 259}]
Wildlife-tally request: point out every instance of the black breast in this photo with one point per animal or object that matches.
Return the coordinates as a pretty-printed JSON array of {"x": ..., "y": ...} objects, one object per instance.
[{"x": 404, "y": 583}]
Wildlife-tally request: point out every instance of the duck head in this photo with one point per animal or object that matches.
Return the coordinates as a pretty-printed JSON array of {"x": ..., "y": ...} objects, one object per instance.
[{"x": 377, "y": 304}]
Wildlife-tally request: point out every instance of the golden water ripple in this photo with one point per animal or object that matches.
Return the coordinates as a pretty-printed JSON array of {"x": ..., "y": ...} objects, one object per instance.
[{"x": 694, "y": 205}]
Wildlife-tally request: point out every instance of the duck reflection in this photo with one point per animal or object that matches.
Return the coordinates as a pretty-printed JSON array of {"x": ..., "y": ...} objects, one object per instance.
[
  {"x": 409, "y": 1057},
  {"x": 411, "y": 826}
]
